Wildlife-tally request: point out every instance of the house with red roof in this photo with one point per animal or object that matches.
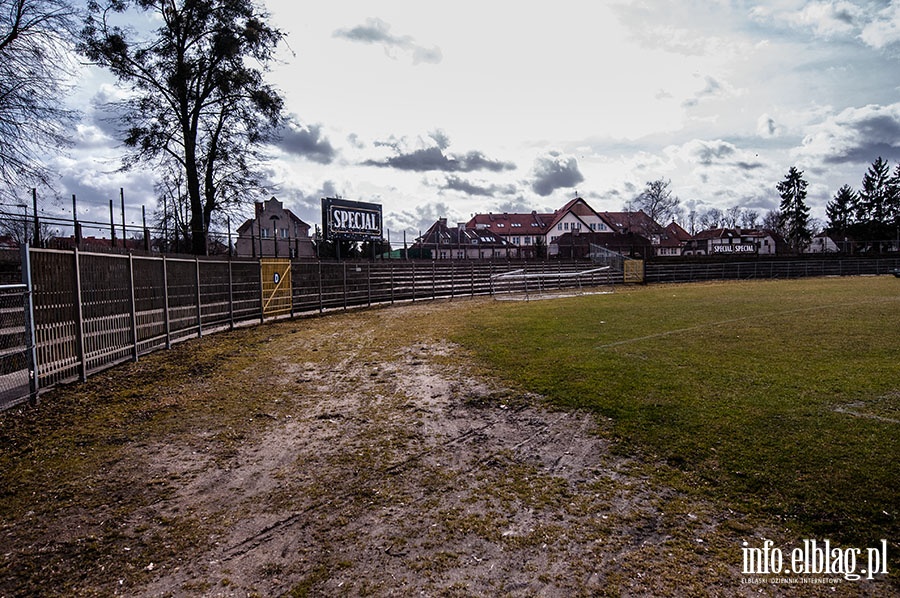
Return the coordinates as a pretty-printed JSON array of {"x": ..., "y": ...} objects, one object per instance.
[
  {"x": 734, "y": 242},
  {"x": 462, "y": 242},
  {"x": 530, "y": 232},
  {"x": 274, "y": 231}
]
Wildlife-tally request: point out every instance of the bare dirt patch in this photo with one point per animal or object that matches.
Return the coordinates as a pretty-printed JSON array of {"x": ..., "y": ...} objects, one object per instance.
[{"x": 364, "y": 454}]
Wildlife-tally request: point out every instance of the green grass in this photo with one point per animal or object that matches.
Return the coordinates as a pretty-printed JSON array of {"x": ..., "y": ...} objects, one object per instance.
[{"x": 779, "y": 398}]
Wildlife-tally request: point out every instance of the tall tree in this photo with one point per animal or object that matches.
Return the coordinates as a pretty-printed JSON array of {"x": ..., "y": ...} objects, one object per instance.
[
  {"x": 749, "y": 218},
  {"x": 875, "y": 197},
  {"x": 200, "y": 106},
  {"x": 711, "y": 218},
  {"x": 877, "y": 205},
  {"x": 35, "y": 37},
  {"x": 658, "y": 201},
  {"x": 840, "y": 210},
  {"x": 893, "y": 211},
  {"x": 793, "y": 211}
]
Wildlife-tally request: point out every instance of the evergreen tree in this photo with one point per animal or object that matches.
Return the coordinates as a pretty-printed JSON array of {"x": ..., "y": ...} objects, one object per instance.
[
  {"x": 793, "y": 212},
  {"x": 877, "y": 208},
  {"x": 840, "y": 209},
  {"x": 893, "y": 212},
  {"x": 874, "y": 199}
]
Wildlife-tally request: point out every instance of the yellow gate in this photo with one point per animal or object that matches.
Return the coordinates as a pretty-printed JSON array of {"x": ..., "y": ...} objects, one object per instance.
[
  {"x": 276, "y": 286},
  {"x": 634, "y": 271}
]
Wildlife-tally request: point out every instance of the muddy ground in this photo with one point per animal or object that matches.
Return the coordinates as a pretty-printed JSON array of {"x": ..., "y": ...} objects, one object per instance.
[{"x": 352, "y": 454}]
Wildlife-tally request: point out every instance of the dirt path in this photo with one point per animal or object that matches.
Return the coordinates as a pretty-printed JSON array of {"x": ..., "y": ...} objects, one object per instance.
[{"x": 369, "y": 456}]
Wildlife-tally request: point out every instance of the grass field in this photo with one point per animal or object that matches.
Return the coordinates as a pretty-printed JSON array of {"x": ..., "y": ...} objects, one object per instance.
[
  {"x": 780, "y": 398},
  {"x": 409, "y": 450}
]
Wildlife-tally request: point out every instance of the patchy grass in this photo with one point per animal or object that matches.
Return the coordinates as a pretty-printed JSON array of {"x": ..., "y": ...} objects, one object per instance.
[{"x": 778, "y": 398}]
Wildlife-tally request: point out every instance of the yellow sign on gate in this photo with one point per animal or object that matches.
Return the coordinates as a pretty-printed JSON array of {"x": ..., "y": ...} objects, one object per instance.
[
  {"x": 276, "y": 286},
  {"x": 633, "y": 271}
]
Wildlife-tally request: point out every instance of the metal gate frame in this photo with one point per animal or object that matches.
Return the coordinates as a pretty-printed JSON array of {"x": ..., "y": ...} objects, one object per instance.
[
  {"x": 633, "y": 271},
  {"x": 275, "y": 286}
]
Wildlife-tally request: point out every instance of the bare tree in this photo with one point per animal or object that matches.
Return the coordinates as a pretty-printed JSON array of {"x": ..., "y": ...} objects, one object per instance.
[
  {"x": 732, "y": 216},
  {"x": 749, "y": 218},
  {"x": 35, "y": 36},
  {"x": 658, "y": 202},
  {"x": 711, "y": 218}
]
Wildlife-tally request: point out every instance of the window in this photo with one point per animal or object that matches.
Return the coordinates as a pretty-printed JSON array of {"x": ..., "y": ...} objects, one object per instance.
[
  {"x": 559, "y": 226},
  {"x": 264, "y": 233},
  {"x": 284, "y": 233},
  {"x": 528, "y": 240},
  {"x": 566, "y": 226}
]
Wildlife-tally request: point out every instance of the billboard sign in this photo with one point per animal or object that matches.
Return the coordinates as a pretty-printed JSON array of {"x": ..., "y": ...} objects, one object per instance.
[
  {"x": 735, "y": 248},
  {"x": 346, "y": 220}
]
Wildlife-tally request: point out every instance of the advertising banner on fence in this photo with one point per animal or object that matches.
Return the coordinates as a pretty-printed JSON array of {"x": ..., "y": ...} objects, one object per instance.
[{"x": 346, "y": 220}]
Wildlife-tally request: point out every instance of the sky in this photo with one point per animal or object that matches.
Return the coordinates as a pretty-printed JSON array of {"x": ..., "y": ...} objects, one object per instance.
[{"x": 455, "y": 108}]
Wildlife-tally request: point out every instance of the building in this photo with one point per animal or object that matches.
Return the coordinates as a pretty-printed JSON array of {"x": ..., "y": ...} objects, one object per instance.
[
  {"x": 274, "y": 232},
  {"x": 825, "y": 243},
  {"x": 461, "y": 242},
  {"x": 532, "y": 233},
  {"x": 638, "y": 223},
  {"x": 580, "y": 245},
  {"x": 672, "y": 241},
  {"x": 734, "y": 242}
]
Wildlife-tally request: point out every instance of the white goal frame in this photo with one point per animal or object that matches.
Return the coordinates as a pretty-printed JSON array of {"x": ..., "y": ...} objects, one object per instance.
[{"x": 517, "y": 281}]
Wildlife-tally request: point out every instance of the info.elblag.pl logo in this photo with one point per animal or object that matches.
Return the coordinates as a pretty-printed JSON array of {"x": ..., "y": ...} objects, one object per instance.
[{"x": 815, "y": 558}]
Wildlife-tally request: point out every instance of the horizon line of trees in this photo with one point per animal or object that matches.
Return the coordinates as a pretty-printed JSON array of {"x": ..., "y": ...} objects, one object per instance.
[{"x": 872, "y": 213}]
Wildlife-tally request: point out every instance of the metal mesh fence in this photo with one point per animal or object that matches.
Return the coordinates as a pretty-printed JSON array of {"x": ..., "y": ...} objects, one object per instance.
[
  {"x": 14, "y": 370},
  {"x": 93, "y": 310}
]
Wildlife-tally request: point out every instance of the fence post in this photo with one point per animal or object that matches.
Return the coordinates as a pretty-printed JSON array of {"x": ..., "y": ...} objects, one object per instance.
[
  {"x": 133, "y": 306},
  {"x": 30, "y": 336},
  {"x": 79, "y": 320},
  {"x": 230, "y": 295},
  {"x": 292, "y": 281},
  {"x": 452, "y": 279},
  {"x": 345, "y": 285},
  {"x": 369, "y": 282},
  {"x": 414, "y": 281},
  {"x": 392, "y": 283},
  {"x": 262, "y": 312},
  {"x": 433, "y": 280},
  {"x": 321, "y": 295},
  {"x": 165, "y": 273},
  {"x": 199, "y": 309}
]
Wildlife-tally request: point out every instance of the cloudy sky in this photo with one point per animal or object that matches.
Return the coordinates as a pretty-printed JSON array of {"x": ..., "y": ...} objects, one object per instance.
[{"x": 452, "y": 108}]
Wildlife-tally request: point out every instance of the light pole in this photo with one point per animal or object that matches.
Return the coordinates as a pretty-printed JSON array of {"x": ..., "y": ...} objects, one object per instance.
[{"x": 24, "y": 206}]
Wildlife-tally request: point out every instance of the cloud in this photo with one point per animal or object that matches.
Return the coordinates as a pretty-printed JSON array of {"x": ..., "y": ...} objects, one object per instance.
[
  {"x": 855, "y": 135},
  {"x": 884, "y": 29},
  {"x": 455, "y": 183},
  {"x": 714, "y": 153},
  {"x": 877, "y": 27},
  {"x": 306, "y": 141},
  {"x": 420, "y": 219},
  {"x": 712, "y": 89},
  {"x": 434, "y": 158},
  {"x": 378, "y": 32},
  {"x": 767, "y": 127},
  {"x": 828, "y": 19},
  {"x": 555, "y": 171}
]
